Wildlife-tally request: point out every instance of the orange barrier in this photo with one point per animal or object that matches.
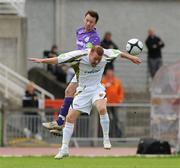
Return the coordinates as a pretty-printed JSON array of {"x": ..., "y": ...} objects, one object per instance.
[{"x": 55, "y": 104}]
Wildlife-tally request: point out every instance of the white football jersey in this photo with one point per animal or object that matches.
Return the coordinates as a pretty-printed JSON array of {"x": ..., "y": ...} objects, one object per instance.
[{"x": 86, "y": 74}]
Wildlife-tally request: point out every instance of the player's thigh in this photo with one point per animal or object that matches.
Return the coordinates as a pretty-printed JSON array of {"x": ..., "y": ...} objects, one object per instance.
[
  {"x": 71, "y": 89},
  {"x": 72, "y": 116},
  {"x": 101, "y": 106},
  {"x": 82, "y": 101}
]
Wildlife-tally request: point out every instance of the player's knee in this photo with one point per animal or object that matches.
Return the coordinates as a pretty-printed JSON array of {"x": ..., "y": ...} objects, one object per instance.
[
  {"x": 68, "y": 93},
  {"x": 70, "y": 118},
  {"x": 102, "y": 110}
]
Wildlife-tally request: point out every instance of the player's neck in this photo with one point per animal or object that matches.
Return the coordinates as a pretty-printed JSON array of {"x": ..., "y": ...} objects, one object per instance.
[{"x": 88, "y": 30}]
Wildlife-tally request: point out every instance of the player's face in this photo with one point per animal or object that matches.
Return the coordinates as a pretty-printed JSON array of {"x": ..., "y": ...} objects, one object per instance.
[
  {"x": 109, "y": 73},
  {"x": 89, "y": 23},
  {"x": 151, "y": 32},
  {"x": 94, "y": 59}
]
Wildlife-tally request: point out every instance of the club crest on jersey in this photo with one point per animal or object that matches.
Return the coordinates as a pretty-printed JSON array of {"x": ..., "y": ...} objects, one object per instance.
[{"x": 86, "y": 39}]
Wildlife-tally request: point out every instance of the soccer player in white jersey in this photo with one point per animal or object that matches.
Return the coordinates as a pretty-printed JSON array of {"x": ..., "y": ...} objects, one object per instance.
[{"x": 89, "y": 65}]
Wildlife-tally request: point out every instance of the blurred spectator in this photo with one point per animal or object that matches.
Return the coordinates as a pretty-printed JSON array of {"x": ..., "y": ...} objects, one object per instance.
[
  {"x": 30, "y": 100},
  {"x": 115, "y": 94},
  {"x": 53, "y": 53},
  {"x": 107, "y": 43},
  {"x": 69, "y": 74},
  {"x": 68, "y": 71},
  {"x": 154, "y": 45},
  {"x": 58, "y": 70}
]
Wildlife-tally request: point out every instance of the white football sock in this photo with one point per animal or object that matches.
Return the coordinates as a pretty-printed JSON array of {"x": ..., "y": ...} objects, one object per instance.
[
  {"x": 104, "y": 120},
  {"x": 67, "y": 133}
]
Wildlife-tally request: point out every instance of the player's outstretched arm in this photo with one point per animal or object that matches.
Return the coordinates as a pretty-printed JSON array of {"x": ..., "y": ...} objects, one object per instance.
[
  {"x": 53, "y": 60},
  {"x": 132, "y": 58}
]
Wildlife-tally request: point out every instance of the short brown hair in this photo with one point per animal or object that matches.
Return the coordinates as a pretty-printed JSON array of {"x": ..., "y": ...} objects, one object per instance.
[
  {"x": 98, "y": 49},
  {"x": 93, "y": 14}
]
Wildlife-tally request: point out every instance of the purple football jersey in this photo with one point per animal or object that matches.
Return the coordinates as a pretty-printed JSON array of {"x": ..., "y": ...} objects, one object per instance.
[{"x": 86, "y": 39}]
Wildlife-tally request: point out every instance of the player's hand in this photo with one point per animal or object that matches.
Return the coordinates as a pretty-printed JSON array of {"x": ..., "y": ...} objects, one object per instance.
[
  {"x": 135, "y": 60},
  {"x": 37, "y": 60}
]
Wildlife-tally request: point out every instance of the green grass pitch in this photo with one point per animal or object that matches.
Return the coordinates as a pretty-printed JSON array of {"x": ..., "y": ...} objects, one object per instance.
[{"x": 90, "y": 162}]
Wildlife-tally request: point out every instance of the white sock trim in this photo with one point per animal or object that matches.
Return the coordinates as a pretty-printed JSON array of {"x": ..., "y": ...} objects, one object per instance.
[
  {"x": 105, "y": 116},
  {"x": 68, "y": 124},
  {"x": 60, "y": 116}
]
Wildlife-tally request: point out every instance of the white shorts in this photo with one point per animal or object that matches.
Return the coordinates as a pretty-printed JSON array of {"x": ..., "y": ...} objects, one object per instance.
[
  {"x": 74, "y": 79},
  {"x": 86, "y": 96}
]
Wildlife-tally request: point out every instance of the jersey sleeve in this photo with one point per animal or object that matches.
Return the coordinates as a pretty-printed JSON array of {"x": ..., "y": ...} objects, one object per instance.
[
  {"x": 72, "y": 56},
  {"x": 111, "y": 54}
]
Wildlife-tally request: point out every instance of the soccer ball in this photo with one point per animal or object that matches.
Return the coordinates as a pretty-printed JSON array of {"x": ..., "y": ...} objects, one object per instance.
[{"x": 134, "y": 46}]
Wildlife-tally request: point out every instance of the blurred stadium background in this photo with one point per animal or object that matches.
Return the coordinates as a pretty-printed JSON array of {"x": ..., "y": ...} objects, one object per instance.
[{"x": 29, "y": 28}]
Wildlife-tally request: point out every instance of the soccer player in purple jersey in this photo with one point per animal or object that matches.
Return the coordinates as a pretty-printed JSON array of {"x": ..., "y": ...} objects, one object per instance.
[{"x": 86, "y": 37}]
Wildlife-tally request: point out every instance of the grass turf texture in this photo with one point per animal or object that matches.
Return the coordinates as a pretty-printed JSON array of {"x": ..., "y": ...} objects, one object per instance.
[{"x": 87, "y": 162}]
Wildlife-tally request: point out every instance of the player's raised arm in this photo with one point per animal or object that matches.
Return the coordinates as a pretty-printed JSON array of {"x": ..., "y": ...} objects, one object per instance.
[
  {"x": 53, "y": 60},
  {"x": 132, "y": 58},
  {"x": 111, "y": 54},
  {"x": 62, "y": 58}
]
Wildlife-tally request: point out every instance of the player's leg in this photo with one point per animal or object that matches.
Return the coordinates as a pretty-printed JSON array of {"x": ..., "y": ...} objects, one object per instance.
[
  {"x": 100, "y": 101},
  {"x": 104, "y": 121},
  {"x": 67, "y": 133},
  {"x": 57, "y": 125},
  {"x": 69, "y": 95},
  {"x": 81, "y": 103}
]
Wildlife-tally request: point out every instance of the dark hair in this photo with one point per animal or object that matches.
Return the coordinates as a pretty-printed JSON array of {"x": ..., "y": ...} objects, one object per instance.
[
  {"x": 54, "y": 47},
  {"x": 98, "y": 49},
  {"x": 108, "y": 33},
  {"x": 93, "y": 14}
]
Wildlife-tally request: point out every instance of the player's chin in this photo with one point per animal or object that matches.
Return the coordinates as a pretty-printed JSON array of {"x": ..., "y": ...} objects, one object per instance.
[{"x": 89, "y": 29}]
